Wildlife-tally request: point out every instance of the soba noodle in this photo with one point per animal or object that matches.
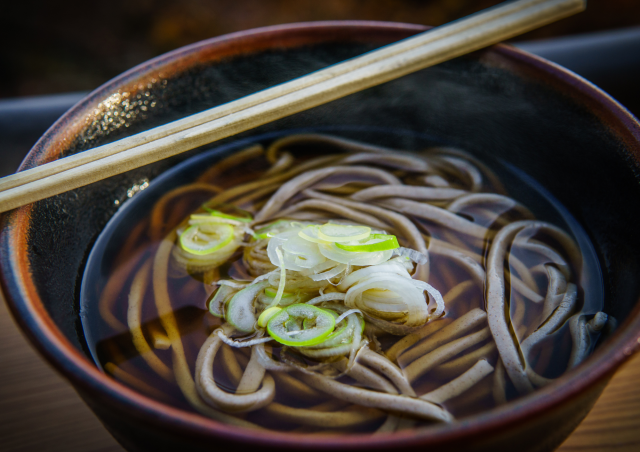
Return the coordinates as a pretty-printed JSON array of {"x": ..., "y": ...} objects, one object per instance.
[{"x": 364, "y": 289}]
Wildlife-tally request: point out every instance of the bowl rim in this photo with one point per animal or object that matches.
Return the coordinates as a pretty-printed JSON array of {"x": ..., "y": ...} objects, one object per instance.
[{"x": 32, "y": 317}]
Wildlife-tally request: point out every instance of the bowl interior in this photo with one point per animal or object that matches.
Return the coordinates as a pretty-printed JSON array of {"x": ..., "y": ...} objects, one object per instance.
[{"x": 498, "y": 104}]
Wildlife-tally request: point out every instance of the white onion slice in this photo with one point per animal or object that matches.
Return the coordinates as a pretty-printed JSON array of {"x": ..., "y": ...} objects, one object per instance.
[
  {"x": 414, "y": 300},
  {"x": 265, "y": 276},
  {"x": 309, "y": 261},
  {"x": 332, "y": 232},
  {"x": 240, "y": 310},
  {"x": 233, "y": 283},
  {"x": 331, "y": 251},
  {"x": 275, "y": 242},
  {"x": 346, "y": 313},
  {"x": 290, "y": 262},
  {"x": 392, "y": 266},
  {"x": 335, "y": 271},
  {"x": 298, "y": 253},
  {"x": 385, "y": 307},
  {"x": 437, "y": 296},
  {"x": 283, "y": 280},
  {"x": 327, "y": 297},
  {"x": 299, "y": 246},
  {"x": 216, "y": 306},
  {"x": 310, "y": 233},
  {"x": 326, "y": 265},
  {"x": 383, "y": 296}
]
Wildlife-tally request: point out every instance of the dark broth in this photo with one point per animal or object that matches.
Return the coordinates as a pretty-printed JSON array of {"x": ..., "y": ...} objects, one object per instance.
[{"x": 107, "y": 283}]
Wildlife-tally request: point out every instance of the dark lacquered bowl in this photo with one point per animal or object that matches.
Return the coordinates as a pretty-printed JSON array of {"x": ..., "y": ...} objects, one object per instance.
[{"x": 499, "y": 103}]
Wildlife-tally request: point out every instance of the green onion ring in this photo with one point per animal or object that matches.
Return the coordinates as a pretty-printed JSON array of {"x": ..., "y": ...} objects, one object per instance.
[
  {"x": 218, "y": 214},
  {"x": 225, "y": 232},
  {"x": 263, "y": 232},
  {"x": 266, "y": 315},
  {"x": 281, "y": 325},
  {"x": 385, "y": 242},
  {"x": 331, "y": 232}
]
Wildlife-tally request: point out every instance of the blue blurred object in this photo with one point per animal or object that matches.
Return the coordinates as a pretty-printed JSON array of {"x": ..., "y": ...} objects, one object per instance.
[
  {"x": 611, "y": 60},
  {"x": 23, "y": 120}
]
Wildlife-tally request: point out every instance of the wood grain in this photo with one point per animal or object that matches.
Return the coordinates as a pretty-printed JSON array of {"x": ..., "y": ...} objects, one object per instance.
[
  {"x": 40, "y": 411},
  {"x": 614, "y": 422}
]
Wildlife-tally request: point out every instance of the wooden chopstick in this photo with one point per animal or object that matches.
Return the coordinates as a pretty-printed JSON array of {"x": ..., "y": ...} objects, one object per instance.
[
  {"x": 393, "y": 61},
  {"x": 156, "y": 133}
]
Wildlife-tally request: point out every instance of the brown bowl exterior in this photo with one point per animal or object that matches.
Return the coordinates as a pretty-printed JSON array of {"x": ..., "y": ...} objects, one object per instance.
[{"x": 126, "y": 105}]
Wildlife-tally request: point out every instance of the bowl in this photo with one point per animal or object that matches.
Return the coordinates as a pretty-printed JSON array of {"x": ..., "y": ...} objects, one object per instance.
[{"x": 501, "y": 104}]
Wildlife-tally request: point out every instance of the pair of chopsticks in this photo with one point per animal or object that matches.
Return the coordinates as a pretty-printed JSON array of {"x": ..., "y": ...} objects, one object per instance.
[{"x": 390, "y": 62}]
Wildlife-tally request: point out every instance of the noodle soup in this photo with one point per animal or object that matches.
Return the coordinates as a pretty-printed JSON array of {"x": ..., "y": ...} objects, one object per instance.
[{"x": 317, "y": 284}]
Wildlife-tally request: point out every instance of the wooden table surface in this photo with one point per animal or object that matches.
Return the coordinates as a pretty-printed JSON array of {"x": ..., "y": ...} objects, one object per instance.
[{"x": 39, "y": 411}]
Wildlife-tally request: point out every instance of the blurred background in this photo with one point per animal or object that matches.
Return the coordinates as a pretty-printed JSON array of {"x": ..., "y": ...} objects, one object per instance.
[
  {"x": 63, "y": 46},
  {"x": 52, "y": 53}
]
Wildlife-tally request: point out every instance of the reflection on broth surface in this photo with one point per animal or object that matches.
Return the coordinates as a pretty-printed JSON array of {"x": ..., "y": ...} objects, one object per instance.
[{"x": 319, "y": 284}]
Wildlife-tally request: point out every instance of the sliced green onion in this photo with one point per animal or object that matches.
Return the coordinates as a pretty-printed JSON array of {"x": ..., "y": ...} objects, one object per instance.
[
  {"x": 283, "y": 276},
  {"x": 340, "y": 336},
  {"x": 342, "y": 309},
  {"x": 270, "y": 292},
  {"x": 216, "y": 305},
  {"x": 331, "y": 232},
  {"x": 240, "y": 312},
  {"x": 376, "y": 242},
  {"x": 308, "y": 323},
  {"x": 336, "y": 254},
  {"x": 228, "y": 211},
  {"x": 201, "y": 239},
  {"x": 300, "y": 247},
  {"x": 301, "y": 325},
  {"x": 218, "y": 214},
  {"x": 340, "y": 342},
  {"x": 293, "y": 324},
  {"x": 263, "y": 232},
  {"x": 286, "y": 299},
  {"x": 310, "y": 233},
  {"x": 326, "y": 276},
  {"x": 266, "y": 315}
]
